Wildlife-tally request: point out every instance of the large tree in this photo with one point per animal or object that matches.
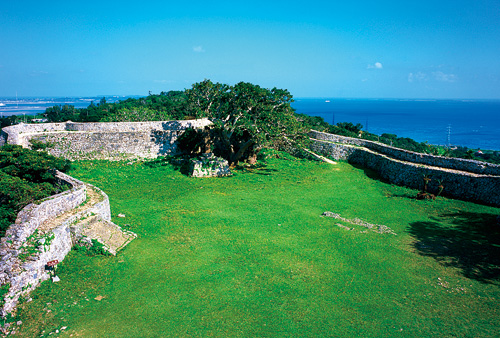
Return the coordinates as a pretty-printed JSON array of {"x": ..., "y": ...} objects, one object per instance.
[{"x": 245, "y": 117}]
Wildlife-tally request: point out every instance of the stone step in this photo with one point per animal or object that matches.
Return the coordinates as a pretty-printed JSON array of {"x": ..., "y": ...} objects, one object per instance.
[{"x": 105, "y": 232}]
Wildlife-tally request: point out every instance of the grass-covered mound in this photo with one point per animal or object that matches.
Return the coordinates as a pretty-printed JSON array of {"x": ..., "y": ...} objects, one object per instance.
[{"x": 250, "y": 256}]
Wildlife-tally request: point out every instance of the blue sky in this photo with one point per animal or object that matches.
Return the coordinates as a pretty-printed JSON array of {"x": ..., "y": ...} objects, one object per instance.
[{"x": 359, "y": 49}]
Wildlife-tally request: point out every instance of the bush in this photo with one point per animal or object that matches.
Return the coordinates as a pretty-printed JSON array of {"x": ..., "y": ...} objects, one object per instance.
[
  {"x": 30, "y": 165},
  {"x": 25, "y": 176},
  {"x": 96, "y": 249}
]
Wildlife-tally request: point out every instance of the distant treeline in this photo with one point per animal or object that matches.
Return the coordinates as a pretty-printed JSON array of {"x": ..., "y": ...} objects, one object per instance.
[
  {"x": 351, "y": 130},
  {"x": 173, "y": 105}
]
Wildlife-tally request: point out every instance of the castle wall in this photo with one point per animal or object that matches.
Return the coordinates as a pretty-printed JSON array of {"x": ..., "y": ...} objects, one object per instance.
[
  {"x": 23, "y": 272},
  {"x": 104, "y": 140},
  {"x": 471, "y": 166},
  {"x": 457, "y": 184}
]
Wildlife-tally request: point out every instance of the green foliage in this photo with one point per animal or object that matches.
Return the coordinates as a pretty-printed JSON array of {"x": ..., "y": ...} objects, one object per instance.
[
  {"x": 39, "y": 145},
  {"x": 9, "y": 121},
  {"x": 246, "y": 118},
  {"x": 25, "y": 176},
  {"x": 313, "y": 122},
  {"x": 96, "y": 249},
  {"x": 32, "y": 166},
  {"x": 350, "y": 127},
  {"x": 160, "y": 107},
  {"x": 4, "y": 289},
  {"x": 141, "y": 114},
  {"x": 61, "y": 113}
]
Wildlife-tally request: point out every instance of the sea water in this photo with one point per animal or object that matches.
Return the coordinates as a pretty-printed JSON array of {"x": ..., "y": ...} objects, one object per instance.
[
  {"x": 35, "y": 105},
  {"x": 470, "y": 123}
]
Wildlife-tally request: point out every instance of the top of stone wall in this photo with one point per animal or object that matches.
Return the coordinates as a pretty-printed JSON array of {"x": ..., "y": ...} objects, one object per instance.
[
  {"x": 135, "y": 126},
  {"x": 13, "y": 134},
  {"x": 471, "y": 166}
]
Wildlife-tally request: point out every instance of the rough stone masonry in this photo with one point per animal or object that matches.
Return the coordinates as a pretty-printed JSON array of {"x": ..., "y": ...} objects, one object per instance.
[
  {"x": 102, "y": 140},
  {"x": 462, "y": 179},
  {"x": 46, "y": 231}
]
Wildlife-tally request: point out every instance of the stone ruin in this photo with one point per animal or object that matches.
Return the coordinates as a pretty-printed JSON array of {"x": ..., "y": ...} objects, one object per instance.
[
  {"x": 208, "y": 165},
  {"x": 45, "y": 232}
]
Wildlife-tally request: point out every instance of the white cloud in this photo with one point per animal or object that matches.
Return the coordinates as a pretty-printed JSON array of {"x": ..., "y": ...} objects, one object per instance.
[
  {"x": 440, "y": 76},
  {"x": 38, "y": 73},
  {"x": 198, "y": 49},
  {"x": 376, "y": 65},
  {"x": 419, "y": 76}
]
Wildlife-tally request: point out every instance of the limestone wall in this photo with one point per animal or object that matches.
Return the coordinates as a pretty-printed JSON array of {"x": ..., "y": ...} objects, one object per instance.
[
  {"x": 26, "y": 248},
  {"x": 103, "y": 140},
  {"x": 471, "y": 166},
  {"x": 457, "y": 184}
]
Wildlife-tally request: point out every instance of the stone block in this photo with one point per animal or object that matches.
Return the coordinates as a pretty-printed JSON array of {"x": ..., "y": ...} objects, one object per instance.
[{"x": 209, "y": 165}]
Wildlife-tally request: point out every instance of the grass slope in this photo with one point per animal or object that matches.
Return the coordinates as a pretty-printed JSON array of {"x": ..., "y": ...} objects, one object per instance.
[{"x": 250, "y": 256}]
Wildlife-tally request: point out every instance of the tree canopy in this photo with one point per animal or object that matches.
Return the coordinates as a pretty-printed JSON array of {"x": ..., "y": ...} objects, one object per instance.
[{"x": 245, "y": 117}]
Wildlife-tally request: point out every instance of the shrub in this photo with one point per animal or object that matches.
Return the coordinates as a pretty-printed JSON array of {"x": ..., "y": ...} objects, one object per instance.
[{"x": 25, "y": 176}]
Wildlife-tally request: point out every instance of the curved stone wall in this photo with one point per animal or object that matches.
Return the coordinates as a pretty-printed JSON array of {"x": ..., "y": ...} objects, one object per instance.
[
  {"x": 28, "y": 245},
  {"x": 471, "y": 166},
  {"x": 22, "y": 271},
  {"x": 103, "y": 140},
  {"x": 457, "y": 184}
]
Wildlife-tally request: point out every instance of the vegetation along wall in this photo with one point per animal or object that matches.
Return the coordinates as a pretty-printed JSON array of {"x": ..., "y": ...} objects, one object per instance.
[
  {"x": 46, "y": 231},
  {"x": 463, "y": 179},
  {"x": 102, "y": 140}
]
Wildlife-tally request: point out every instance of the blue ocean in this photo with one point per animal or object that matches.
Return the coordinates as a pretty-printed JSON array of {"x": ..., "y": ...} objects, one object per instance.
[{"x": 470, "y": 123}]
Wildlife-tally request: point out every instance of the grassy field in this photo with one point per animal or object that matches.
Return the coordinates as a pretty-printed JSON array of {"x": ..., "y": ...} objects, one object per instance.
[{"x": 250, "y": 256}]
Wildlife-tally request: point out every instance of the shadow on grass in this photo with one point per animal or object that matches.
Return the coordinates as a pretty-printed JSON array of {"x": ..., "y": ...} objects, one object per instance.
[
  {"x": 369, "y": 172},
  {"x": 259, "y": 168},
  {"x": 180, "y": 163},
  {"x": 471, "y": 243}
]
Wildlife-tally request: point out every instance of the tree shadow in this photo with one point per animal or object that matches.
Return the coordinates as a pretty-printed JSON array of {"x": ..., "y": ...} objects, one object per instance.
[
  {"x": 370, "y": 173},
  {"x": 465, "y": 240},
  {"x": 166, "y": 137},
  {"x": 259, "y": 168}
]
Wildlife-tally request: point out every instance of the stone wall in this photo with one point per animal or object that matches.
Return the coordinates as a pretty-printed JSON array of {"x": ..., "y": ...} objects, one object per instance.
[
  {"x": 103, "y": 140},
  {"x": 471, "y": 166},
  {"x": 25, "y": 249},
  {"x": 457, "y": 184}
]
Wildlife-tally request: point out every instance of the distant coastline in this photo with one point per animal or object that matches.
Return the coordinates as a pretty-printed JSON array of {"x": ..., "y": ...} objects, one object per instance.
[
  {"x": 35, "y": 105},
  {"x": 471, "y": 123}
]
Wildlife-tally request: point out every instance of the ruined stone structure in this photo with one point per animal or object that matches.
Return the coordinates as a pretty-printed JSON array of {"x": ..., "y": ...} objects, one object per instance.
[
  {"x": 208, "y": 165},
  {"x": 102, "y": 140},
  {"x": 47, "y": 230},
  {"x": 462, "y": 179}
]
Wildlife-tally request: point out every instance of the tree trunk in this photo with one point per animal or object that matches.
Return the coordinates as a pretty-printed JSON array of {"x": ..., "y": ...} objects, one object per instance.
[{"x": 235, "y": 157}]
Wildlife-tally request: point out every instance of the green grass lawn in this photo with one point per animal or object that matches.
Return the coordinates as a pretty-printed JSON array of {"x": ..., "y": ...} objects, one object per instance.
[{"x": 250, "y": 256}]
